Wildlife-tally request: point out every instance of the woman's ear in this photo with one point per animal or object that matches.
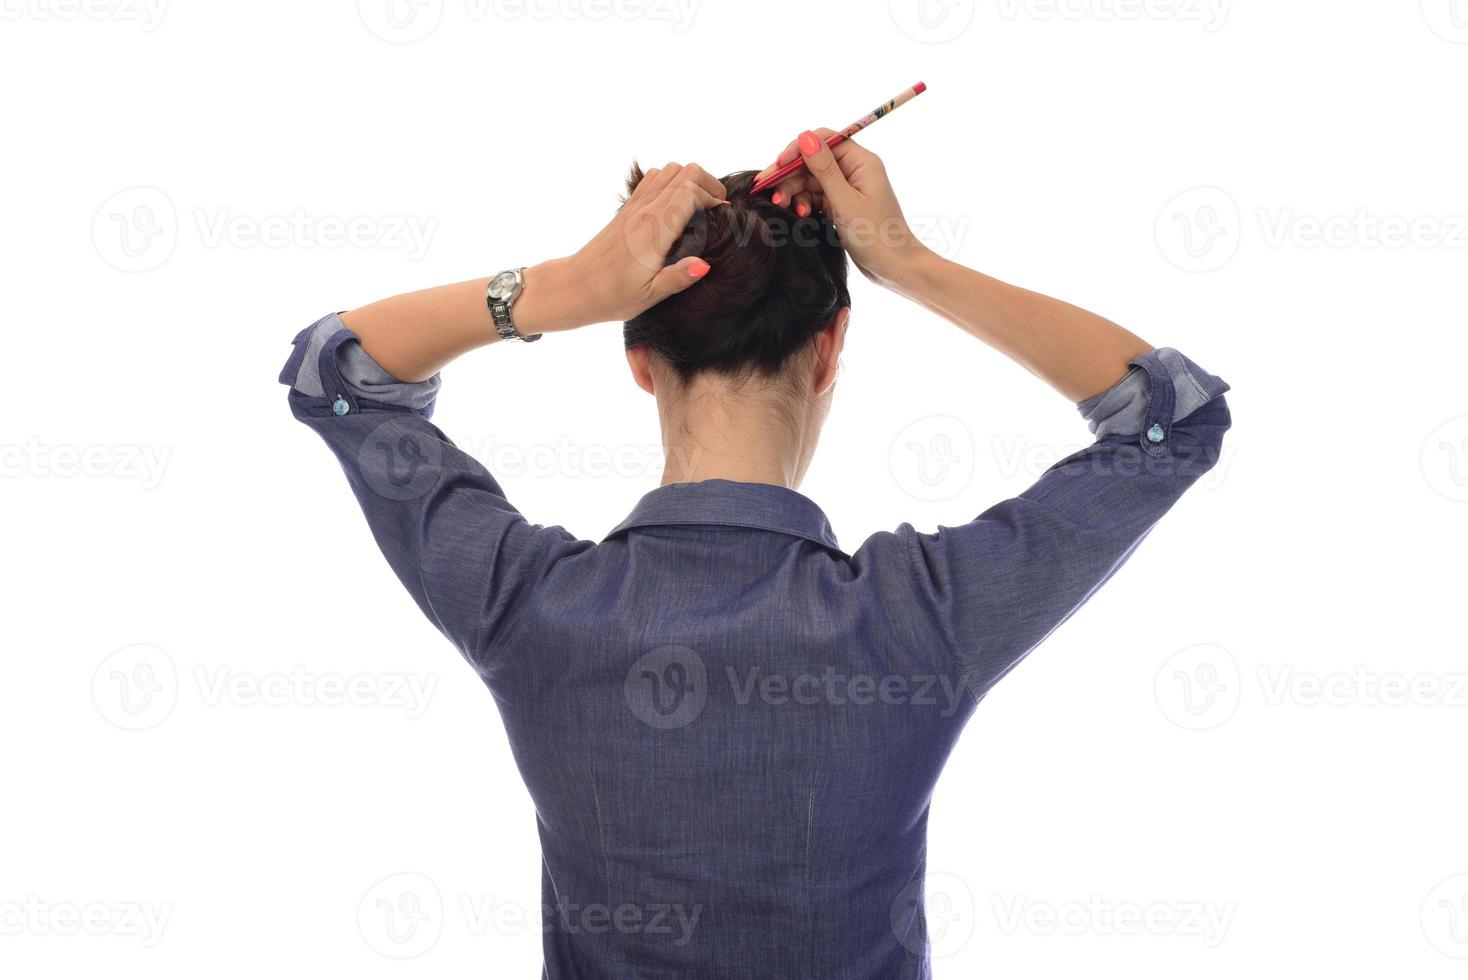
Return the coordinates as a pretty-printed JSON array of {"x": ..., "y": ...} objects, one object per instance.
[
  {"x": 637, "y": 360},
  {"x": 829, "y": 344}
]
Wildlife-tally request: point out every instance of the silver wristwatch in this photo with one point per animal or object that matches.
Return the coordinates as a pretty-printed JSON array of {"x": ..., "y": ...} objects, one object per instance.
[{"x": 504, "y": 289}]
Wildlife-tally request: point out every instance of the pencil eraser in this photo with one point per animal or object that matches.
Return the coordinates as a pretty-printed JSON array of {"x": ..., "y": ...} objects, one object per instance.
[{"x": 919, "y": 88}]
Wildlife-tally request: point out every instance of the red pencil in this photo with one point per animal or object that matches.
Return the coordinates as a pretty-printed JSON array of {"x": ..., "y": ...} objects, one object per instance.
[{"x": 835, "y": 139}]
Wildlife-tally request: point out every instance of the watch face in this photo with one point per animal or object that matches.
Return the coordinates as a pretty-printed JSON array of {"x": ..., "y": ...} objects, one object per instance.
[{"x": 502, "y": 285}]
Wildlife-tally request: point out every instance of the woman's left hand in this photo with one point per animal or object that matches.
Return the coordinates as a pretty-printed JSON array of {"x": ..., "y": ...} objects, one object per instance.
[{"x": 622, "y": 269}]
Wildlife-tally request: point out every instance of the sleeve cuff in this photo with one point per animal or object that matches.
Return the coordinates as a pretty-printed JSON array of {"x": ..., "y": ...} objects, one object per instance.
[
  {"x": 1161, "y": 388},
  {"x": 328, "y": 355}
]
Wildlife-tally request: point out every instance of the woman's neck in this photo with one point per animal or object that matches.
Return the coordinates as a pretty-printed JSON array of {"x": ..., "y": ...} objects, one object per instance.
[{"x": 752, "y": 433}]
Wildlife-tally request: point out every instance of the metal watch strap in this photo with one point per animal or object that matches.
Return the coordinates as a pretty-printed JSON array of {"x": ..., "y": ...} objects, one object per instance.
[{"x": 504, "y": 322}]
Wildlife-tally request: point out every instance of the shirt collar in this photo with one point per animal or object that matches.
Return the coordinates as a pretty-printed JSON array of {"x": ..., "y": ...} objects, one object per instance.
[{"x": 729, "y": 504}]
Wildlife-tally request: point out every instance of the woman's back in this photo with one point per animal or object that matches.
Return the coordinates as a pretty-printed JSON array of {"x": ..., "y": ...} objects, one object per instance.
[{"x": 731, "y": 732}]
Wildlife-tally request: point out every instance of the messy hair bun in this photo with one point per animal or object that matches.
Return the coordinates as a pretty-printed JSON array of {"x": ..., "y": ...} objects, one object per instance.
[{"x": 776, "y": 280}]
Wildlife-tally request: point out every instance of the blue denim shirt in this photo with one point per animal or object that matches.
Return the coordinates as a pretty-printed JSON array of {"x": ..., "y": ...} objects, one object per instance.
[{"x": 730, "y": 727}]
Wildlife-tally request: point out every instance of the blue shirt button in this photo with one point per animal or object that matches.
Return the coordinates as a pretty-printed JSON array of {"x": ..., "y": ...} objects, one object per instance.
[
  {"x": 340, "y": 407},
  {"x": 1154, "y": 434}
]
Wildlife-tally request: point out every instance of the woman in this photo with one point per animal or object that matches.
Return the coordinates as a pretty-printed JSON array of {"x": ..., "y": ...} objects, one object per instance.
[{"x": 730, "y": 727}]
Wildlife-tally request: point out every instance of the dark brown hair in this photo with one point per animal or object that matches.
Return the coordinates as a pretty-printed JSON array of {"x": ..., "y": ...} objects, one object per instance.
[{"x": 776, "y": 280}]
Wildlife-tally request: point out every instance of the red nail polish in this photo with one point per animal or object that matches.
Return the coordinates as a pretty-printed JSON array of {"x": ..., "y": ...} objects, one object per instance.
[
  {"x": 698, "y": 268},
  {"x": 802, "y": 209},
  {"x": 810, "y": 144},
  {"x": 777, "y": 198}
]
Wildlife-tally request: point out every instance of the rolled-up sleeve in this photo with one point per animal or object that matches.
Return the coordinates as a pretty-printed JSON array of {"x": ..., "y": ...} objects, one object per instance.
[
  {"x": 1000, "y": 584},
  {"x": 443, "y": 523}
]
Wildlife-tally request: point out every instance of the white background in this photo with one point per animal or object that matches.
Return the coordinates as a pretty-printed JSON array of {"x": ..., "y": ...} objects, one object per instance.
[{"x": 1244, "y": 758}]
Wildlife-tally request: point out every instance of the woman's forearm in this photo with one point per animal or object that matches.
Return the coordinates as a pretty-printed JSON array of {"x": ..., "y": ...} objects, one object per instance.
[
  {"x": 412, "y": 336},
  {"x": 615, "y": 276},
  {"x": 1078, "y": 353}
]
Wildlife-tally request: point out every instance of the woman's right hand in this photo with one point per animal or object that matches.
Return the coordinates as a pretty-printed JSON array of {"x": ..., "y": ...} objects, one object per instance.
[{"x": 850, "y": 185}]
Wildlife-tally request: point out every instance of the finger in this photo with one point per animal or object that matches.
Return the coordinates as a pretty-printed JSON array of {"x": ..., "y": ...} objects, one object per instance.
[
  {"x": 792, "y": 152},
  {"x": 678, "y": 277},
  {"x": 786, "y": 155},
  {"x": 852, "y": 157},
  {"x": 657, "y": 180},
  {"x": 803, "y": 204},
  {"x": 675, "y": 207},
  {"x": 821, "y": 163},
  {"x": 788, "y": 189},
  {"x": 783, "y": 192},
  {"x": 705, "y": 180},
  {"x": 686, "y": 196}
]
